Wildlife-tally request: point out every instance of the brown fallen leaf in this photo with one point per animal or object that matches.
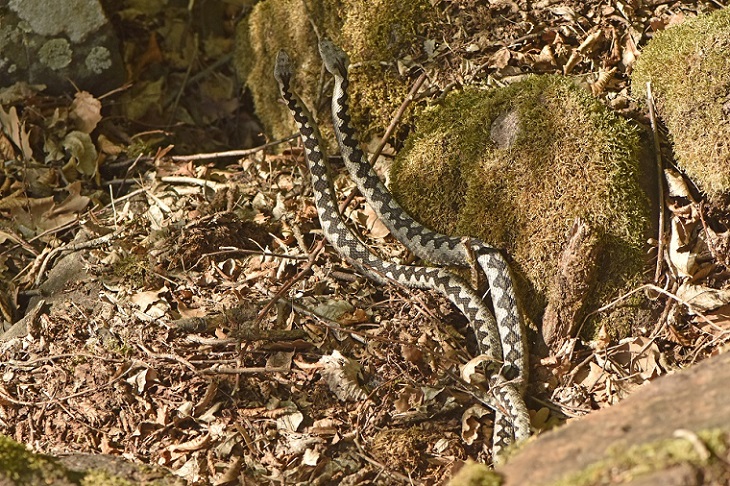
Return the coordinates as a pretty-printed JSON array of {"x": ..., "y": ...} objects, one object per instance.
[{"x": 85, "y": 111}]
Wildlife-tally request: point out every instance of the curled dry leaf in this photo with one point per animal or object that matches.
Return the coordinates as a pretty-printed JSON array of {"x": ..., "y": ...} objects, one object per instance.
[
  {"x": 341, "y": 375},
  {"x": 83, "y": 153},
  {"x": 702, "y": 298},
  {"x": 373, "y": 223},
  {"x": 469, "y": 371},
  {"x": 290, "y": 421},
  {"x": 310, "y": 457},
  {"x": 333, "y": 309},
  {"x": 640, "y": 355},
  {"x": 679, "y": 253},
  {"x": 192, "y": 445},
  {"x": 677, "y": 185},
  {"x": 471, "y": 423},
  {"x": 74, "y": 203},
  {"x": 408, "y": 398},
  {"x": 85, "y": 111},
  {"x": 599, "y": 86},
  {"x": 16, "y": 131},
  {"x": 143, "y": 379},
  {"x": 151, "y": 304}
]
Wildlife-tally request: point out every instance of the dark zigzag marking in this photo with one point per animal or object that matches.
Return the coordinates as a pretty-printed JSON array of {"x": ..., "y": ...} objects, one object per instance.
[
  {"x": 417, "y": 236},
  {"x": 389, "y": 208},
  {"x": 351, "y": 247}
]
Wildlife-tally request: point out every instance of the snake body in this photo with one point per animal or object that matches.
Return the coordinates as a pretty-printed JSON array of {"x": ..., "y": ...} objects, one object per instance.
[
  {"x": 512, "y": 420},
  {"x": 422, "y": 241}
]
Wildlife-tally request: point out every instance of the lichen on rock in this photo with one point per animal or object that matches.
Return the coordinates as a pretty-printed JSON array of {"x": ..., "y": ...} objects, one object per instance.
[
  {"x": 55, "y": 53},
  {"x": 74, "y": 18},
  {"x": 688, "y": 66},
  {"x": 51, "y": 43}
]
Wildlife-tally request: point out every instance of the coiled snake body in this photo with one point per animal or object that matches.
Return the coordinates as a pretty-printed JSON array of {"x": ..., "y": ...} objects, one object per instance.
[{"x": 512, "y": 419}]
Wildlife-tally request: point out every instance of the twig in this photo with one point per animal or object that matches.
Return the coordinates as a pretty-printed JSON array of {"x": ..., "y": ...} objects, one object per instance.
[
  {"x": 660, "y": 184},
  {"x": 398, "y": 115},
  {"x": 231, "y": 153},
  {"x": 193, "y": 181},
  {"x": 655, "y": 289},
  {"x": 96, "y": 242},
  {"x": 227, "y": 370},
  {"x": 44, "y": 359},
  {"x": 243, "y": 251},
  {"x": 307, "y": 267},
  {"x": 168, "y": 357},
  {"x": 183, "y": 85}
]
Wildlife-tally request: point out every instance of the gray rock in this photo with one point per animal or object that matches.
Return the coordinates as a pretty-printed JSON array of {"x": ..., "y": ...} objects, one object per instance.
[{"x": 57, "y": 43}]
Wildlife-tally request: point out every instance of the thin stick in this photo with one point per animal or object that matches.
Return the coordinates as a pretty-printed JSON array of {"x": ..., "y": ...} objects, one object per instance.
[
  {"x": 312, "y": 258},
  {"x": 398, "y": 115},
  {"x": 660, "y": 184},
  {"x": 232, "y": 153},
  {"x": 660, "y": 290}
]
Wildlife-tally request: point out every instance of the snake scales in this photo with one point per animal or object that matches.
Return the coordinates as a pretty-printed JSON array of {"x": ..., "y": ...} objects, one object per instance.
[{"x": 512, "y": 419}]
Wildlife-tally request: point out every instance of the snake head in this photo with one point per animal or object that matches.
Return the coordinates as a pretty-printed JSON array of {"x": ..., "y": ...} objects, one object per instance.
[
  {"x": 282, "y": 68},
  {"x": 335, "y": 59}
]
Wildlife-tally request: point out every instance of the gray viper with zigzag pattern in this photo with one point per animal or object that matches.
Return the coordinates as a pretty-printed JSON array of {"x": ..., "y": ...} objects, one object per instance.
[
  {"x": 422, "y": 241},
  {"x": 508, "y": 399}
]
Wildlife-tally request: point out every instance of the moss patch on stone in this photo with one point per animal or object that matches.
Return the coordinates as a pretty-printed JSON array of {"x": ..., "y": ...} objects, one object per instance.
[
  {"x": 274, "y": 25},
  {"x": 644, "y": 459},
  {"x": 689, "y": 69},
  {"x": 20, "y": 466},
  {"x": 375, "y": 34},
  {"x": 517, "y": 166},
  {"x": 475, "y": 474}
]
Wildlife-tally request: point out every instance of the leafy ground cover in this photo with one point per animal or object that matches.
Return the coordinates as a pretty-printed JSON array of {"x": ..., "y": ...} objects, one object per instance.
[{"x": 175, "y": 304}]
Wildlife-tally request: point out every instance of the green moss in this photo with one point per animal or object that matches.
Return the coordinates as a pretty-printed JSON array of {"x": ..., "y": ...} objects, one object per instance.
[
  {"x": 689, "y": 69},
  {"x": 101, "y": 478},
  {"x": 383, "y": 30},
  {"x": 132, "y": 269},
  {"x": 274, "y": 25},
  {"x": 564, "y": 157},
  {"x": 475, "y": 474},
  {"x": 376, "y": 34},
  {"x": 21, "y": 466},
  {"x": 644, "y": 459}
]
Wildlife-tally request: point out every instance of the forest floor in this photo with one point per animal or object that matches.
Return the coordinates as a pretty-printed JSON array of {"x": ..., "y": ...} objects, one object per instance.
[{"x": 181, "y": 308}]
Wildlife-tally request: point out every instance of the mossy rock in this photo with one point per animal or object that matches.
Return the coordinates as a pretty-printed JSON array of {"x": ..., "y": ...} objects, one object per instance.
[
  {"x": 375, "y": 33},
  {"x": 475, "y": 474},
  {"x": 689, "y": 69},
  {"x": 19, "y": 466},
  {"x": 517, "y": 167}
]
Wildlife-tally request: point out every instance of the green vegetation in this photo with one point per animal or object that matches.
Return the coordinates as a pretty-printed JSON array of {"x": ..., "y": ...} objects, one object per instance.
[
  {"x": 640, "y": 460},
  {"x": 376, "y": 34},
  {"x": 20, "y": 466},
  {"x": 517, "y": 167},
  {"x": 475, "y": 474},
  {"x": 689, "y": 70}
]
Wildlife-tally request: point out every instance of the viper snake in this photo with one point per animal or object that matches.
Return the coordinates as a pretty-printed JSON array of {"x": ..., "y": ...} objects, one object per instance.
[{"x": 503, "y": 343}]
